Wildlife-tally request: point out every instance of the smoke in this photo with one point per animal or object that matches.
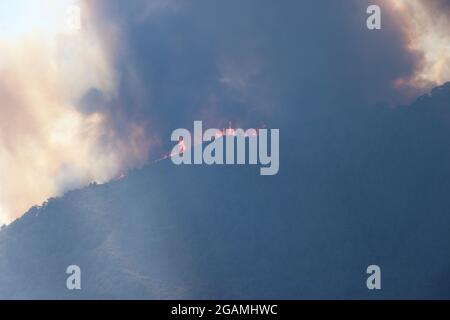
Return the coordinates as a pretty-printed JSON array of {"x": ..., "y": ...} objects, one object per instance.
[
  {"x": 425, "y": 25},
  {"x": 47, "y": 144},
  {"x": 84, "y": 106}
]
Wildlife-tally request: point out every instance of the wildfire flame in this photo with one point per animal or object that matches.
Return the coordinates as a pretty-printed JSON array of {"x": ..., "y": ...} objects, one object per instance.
[{"x": 230, "y": 131}]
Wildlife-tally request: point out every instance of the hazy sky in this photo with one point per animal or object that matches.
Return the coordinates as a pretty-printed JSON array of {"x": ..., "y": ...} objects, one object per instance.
[{"x": 85, "y": 105}]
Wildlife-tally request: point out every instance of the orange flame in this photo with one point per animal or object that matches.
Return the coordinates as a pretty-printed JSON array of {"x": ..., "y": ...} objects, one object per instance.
[{"x": 230, "y": 131}]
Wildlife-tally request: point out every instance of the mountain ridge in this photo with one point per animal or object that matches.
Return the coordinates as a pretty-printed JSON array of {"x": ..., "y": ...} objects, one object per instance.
[{"x": 347, "y": 195}]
